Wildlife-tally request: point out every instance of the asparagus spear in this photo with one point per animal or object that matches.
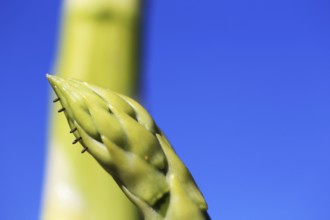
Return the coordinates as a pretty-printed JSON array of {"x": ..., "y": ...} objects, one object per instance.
[
  {"x": 124, "y": 139},
  {"x": 99, "y": 43}
]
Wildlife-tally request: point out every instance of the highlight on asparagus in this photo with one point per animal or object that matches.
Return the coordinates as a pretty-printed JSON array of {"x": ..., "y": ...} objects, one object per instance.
[{"x": 124, "y": 139}]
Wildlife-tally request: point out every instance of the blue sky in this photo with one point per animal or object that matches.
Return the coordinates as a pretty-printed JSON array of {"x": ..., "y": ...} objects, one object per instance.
[{"x": 241, "y": 88}]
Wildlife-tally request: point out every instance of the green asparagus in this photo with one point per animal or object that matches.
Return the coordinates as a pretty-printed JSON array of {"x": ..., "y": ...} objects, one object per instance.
[{"x": 124, "y": 139}]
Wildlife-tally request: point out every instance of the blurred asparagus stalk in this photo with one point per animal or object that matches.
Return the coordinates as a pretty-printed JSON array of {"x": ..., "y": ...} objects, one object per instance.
[
  {"x": 99, "y": 44},
  {"x": 121, "y": 135}
]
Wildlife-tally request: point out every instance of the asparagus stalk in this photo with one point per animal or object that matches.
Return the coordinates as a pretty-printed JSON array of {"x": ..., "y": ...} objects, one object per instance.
[
  {"x": 100, "y": 44},
  {"x": 124, "y": 139}
]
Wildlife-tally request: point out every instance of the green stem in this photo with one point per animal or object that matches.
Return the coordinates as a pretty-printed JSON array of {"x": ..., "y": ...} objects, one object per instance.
[{"x": 100, "y": 44}]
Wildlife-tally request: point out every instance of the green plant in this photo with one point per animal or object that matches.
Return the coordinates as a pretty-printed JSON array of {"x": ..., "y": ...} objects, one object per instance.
[
  {"x": 99, "y": 43},
  {"x": 124, "y": 139}
]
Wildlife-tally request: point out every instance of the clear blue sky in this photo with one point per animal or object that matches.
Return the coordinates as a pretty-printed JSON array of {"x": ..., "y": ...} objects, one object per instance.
[{"x": 241, "y": 88}]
